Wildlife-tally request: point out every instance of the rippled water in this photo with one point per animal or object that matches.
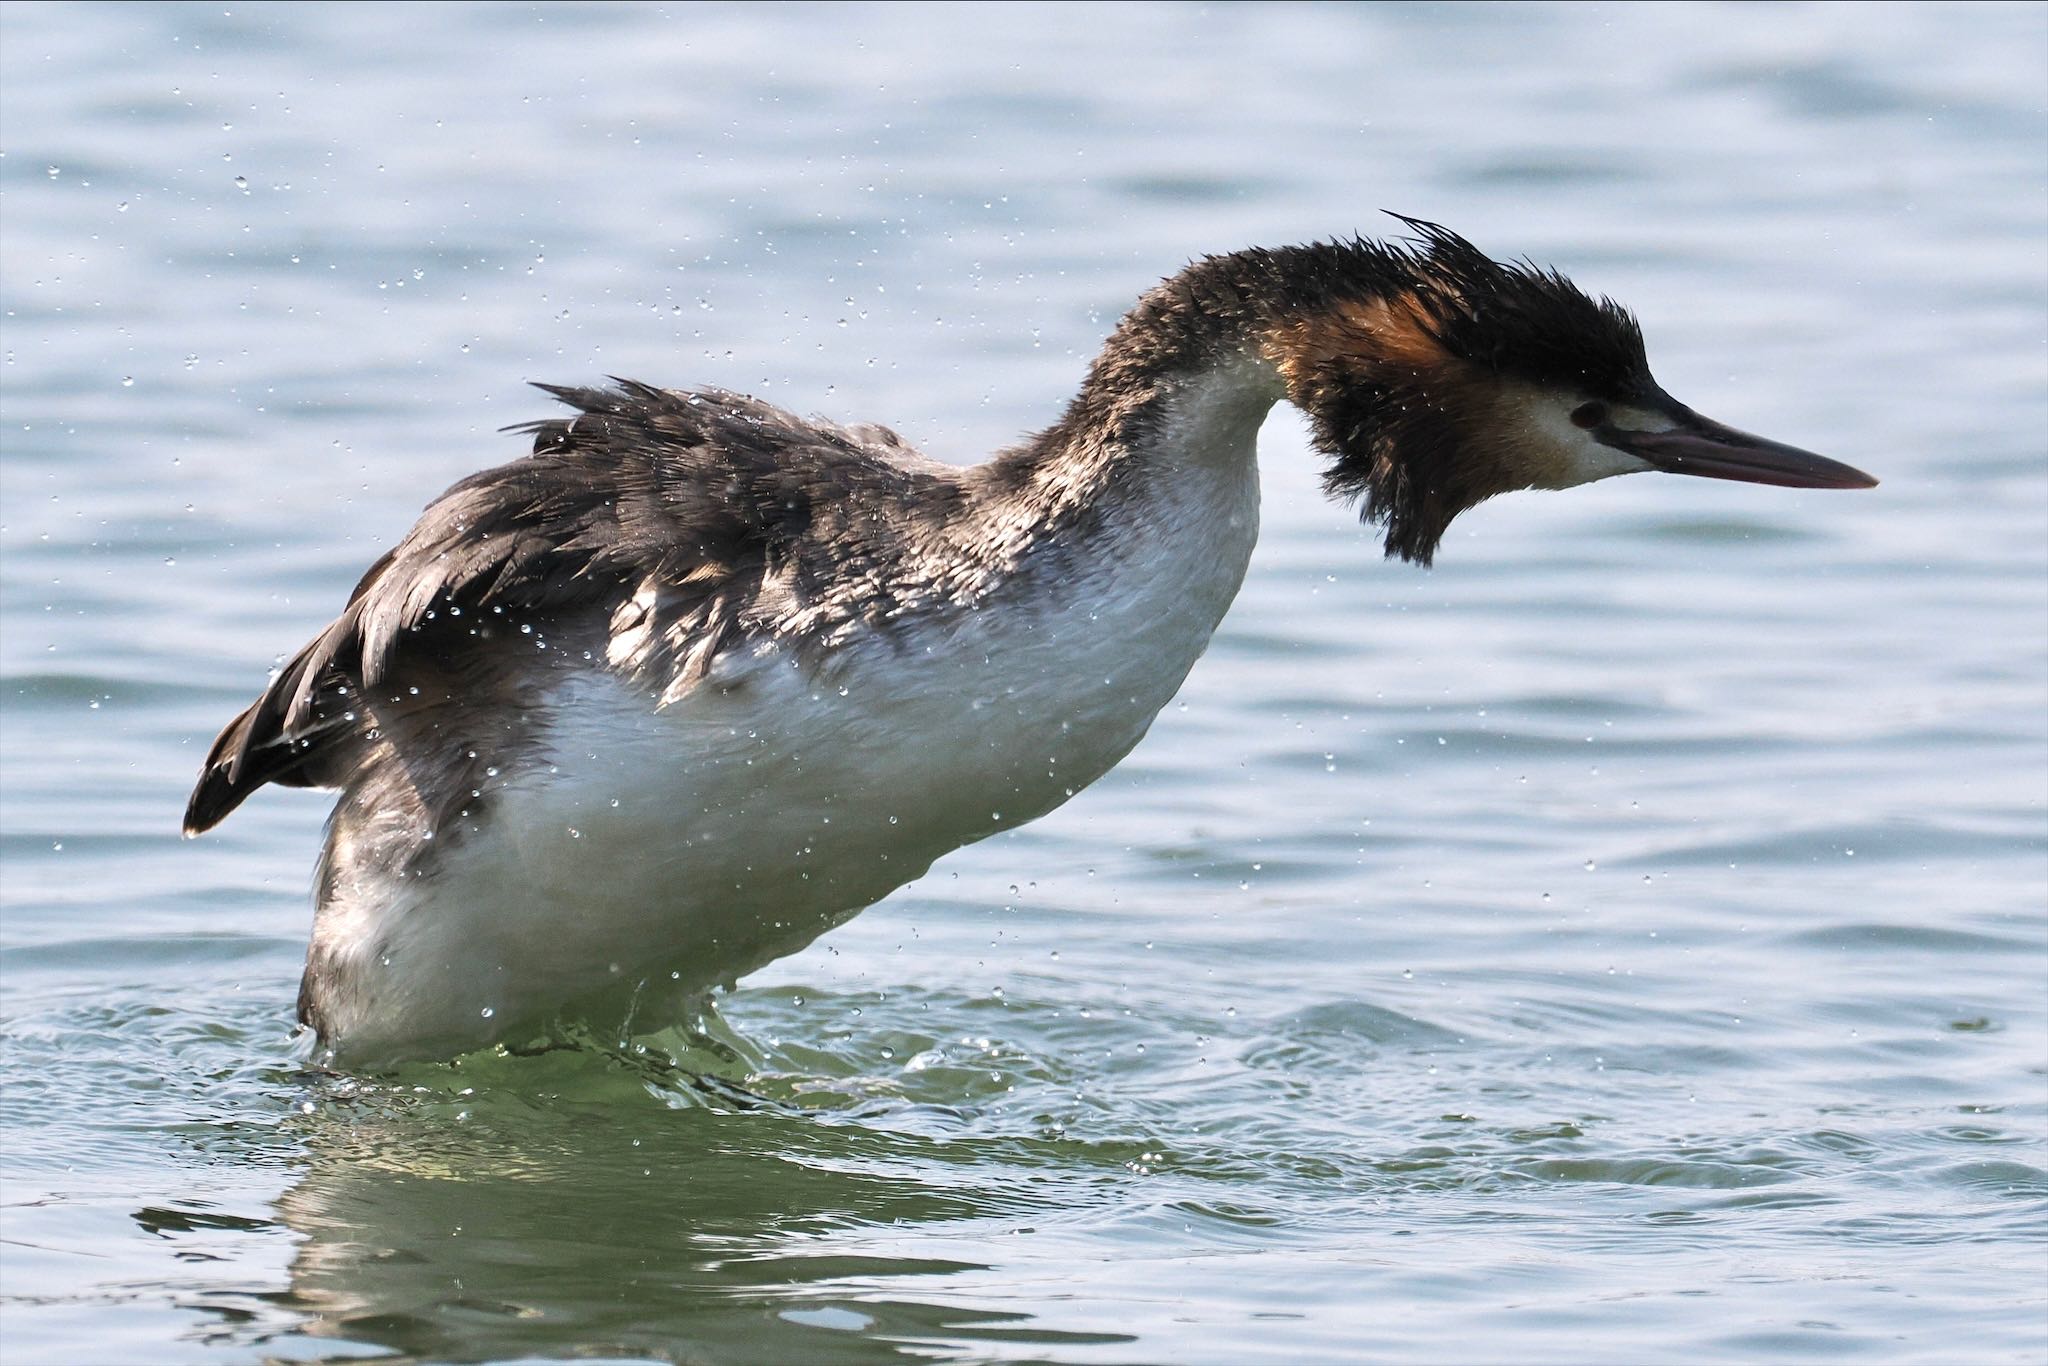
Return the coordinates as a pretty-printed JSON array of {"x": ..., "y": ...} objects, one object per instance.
[{"x": 1623, "y": 942}]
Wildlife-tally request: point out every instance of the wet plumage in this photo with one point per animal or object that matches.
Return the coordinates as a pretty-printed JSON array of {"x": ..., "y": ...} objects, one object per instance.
[{"x": 698, "y": 679}]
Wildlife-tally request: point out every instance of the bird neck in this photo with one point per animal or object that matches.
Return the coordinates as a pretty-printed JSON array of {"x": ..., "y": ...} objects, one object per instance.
[
  {"x": 1190, "y": 369},
  {"x": 1180, "y": 387},
  {"x": 1408, "y": 413},
  {"x": 1142, "y": 455}
]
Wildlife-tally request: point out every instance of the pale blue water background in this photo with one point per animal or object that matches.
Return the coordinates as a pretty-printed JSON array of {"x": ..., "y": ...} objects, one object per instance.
[{"x": 1623, "y": 943}]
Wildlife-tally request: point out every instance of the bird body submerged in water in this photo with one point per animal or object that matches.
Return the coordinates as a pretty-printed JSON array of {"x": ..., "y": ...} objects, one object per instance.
[{"x": 697, "y": 680}]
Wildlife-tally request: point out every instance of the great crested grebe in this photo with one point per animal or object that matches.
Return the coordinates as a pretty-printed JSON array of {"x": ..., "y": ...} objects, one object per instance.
[{"x": 698, "y": 679}]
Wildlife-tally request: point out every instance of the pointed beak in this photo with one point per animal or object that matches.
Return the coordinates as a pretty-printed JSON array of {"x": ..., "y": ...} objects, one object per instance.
[{"x": 1701, "y": 446}]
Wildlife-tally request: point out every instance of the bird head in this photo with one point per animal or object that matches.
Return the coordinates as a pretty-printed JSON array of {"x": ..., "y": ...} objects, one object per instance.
[{"x": 1435, "y": 377}]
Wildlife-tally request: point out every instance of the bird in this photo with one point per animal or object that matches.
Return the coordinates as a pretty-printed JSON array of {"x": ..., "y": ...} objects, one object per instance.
[{"x": 696, "y": 680}]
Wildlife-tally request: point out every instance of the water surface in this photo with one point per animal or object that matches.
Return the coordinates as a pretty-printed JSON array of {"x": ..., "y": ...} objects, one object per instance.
[{"x": 1624, "y": 942}]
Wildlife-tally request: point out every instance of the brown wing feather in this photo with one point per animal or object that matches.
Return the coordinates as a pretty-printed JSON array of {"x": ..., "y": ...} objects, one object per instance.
[{"x": 699, "y": 493}]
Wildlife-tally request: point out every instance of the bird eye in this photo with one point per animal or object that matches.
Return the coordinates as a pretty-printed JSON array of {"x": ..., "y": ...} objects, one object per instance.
[{"x": 1589, "y": 414}]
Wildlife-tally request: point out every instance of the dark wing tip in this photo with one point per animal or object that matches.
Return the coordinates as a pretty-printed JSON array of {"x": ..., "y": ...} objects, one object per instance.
[
  {"x": 221, "y": 786},
  {"x": 210, "y": 803}
]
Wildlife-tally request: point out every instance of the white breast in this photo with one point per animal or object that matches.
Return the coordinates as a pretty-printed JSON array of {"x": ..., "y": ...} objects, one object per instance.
[{"x": 662, "y": 850}]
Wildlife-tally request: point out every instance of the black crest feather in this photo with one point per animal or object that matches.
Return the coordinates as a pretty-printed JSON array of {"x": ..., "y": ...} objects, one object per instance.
[{"x": 1517, "y": 318}]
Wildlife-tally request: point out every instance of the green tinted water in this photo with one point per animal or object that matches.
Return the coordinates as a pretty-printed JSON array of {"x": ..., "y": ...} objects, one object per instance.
[{"x": 1623, "y": 942}]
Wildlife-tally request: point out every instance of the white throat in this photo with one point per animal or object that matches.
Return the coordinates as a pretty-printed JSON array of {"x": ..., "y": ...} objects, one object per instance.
[{"x": 1215, "y": 416}]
